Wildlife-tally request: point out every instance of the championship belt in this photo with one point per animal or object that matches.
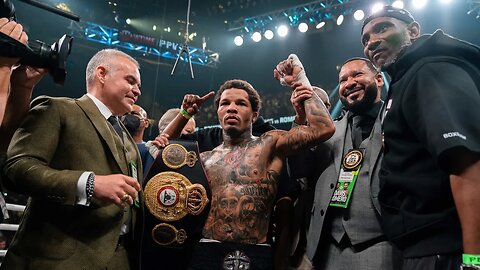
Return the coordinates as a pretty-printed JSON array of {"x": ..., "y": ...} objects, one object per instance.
[{"x": 176, "y": 196}]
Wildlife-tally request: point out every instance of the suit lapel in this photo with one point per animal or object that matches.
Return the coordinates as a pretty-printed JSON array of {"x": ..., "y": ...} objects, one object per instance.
[
  {"x": 100, "y": 124},
  {"x": 339, "y": 142},
  {"x": 128, "y": 138},
  {"x": 130, "y": 145},
  {"x": 375, "y": 145}
]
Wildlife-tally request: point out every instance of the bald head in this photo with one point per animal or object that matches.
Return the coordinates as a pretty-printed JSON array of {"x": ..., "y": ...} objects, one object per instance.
[
  {"x": 168, "y": 117},
  {"x": 322, "y": 94}
]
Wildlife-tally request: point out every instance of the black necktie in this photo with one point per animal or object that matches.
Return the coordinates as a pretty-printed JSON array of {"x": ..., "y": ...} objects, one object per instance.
[
  {"x": 127, "y": 211},
  {"x": 357, "y": 137},
  {"x": 361, "y": 128},
  {"x": 116, "y": 126}
]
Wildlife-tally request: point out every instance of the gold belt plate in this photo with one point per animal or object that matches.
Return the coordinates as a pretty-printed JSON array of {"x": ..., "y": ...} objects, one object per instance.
[
  {"x": 165, "y": 234},
  {"x": 170, "y": 196},
  {"x": 176, "y": 155}
]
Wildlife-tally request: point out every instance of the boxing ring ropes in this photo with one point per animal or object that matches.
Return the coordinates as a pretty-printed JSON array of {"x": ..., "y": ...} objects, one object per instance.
[{"x": 10, "y": 227}]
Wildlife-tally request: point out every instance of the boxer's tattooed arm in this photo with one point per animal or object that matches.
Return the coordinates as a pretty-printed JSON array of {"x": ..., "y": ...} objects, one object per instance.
[
  {"x": 320, "y": 128},
  {"x": 317, "y": 114}
]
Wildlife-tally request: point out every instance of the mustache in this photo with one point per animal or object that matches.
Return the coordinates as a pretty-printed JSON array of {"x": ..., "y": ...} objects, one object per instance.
[
  {"x": 231, "y": 116},
  {"x": 349, "y": 91}
]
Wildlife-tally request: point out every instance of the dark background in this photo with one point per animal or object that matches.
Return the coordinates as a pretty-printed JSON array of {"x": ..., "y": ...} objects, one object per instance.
[{"x": 321, "y": 51}]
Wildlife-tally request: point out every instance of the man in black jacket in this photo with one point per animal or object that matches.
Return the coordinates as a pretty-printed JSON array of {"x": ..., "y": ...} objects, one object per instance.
[{"x": 430, "y": 173}]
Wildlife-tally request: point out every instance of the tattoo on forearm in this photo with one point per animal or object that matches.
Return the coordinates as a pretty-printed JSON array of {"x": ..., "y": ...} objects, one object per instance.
[
  {"x": 315, "y": 107},
  {"x": 301, "y": 137}
]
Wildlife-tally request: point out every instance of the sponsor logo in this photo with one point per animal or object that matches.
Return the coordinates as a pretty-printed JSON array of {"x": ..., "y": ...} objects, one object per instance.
[{"x": 454, "y": 134}]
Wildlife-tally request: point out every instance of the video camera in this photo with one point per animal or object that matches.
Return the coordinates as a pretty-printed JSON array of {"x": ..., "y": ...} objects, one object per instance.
[{"x": 36, "y": 53}]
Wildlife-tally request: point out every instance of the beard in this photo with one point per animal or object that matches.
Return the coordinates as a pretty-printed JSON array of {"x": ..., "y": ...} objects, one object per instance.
[
  {"x": 401, "y": 42},
  {"x": 361, "y": 106},
  {"x": 232, "y": 132},
  {"x": 393, "y": 59}
]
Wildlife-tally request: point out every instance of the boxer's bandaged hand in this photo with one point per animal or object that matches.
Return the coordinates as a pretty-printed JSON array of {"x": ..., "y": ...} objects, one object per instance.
[
  {"x": 290, "y": 71},
  {"x": 302, "y": 76}
]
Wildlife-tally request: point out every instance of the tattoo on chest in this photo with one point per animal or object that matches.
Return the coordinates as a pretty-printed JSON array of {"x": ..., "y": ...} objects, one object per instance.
[{"x": 243, "y": 191}]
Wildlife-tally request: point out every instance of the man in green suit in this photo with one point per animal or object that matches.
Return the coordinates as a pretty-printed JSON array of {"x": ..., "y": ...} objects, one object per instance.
[{"x": 80, "y": 168}]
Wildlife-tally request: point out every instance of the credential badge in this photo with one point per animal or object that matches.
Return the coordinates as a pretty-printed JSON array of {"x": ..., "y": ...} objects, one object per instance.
[{"x": 352, "y": 159}]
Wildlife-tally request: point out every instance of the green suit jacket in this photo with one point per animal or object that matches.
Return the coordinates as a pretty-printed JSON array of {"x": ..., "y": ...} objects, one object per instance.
[{"x": 59, "y": 140}]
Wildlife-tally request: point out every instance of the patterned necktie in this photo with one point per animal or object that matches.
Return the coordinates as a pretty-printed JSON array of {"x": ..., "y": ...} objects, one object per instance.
[{"x": 116, "y": 126}]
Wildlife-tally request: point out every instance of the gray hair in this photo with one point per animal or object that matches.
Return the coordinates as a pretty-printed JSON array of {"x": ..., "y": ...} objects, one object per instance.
[{"x": 105, "y": 57}]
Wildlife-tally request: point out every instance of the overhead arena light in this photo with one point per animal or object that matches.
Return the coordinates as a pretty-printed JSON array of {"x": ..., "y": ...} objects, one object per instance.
[
  {"x": 419, "y": 3},
  {"x": 377, "y": 7},
  {"x": 446, "y": 1},
  {"x": 359, "y": 15},
  {"x": 310, "y": 13},
  {"x": 320, "y": 25},
  {"x": 282, "y": 30},
  {"x": 398, "y": 4},
  {"x": 303, "y": 27},
  {"x": 268, "y": 34},
  {"x": 340, "y": 19},
  {"x": 238, "y": 40},
  {"x": 256, "y": 36}
]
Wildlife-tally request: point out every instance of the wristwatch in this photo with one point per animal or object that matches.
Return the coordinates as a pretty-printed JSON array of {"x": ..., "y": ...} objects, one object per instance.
[{"x": 90, "y": 186}]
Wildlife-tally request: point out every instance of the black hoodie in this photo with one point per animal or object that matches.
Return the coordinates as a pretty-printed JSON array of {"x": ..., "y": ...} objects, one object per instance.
[{"x": 432, "y": 112}]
